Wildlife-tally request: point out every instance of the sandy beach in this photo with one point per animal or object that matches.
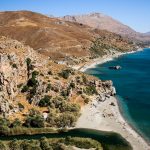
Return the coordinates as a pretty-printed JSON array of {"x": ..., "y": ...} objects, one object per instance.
[
  {"x": 105, "y": 117},
  {"x": 101, "y": 60}
]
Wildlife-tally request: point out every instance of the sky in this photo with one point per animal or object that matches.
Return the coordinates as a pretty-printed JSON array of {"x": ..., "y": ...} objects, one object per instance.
[{"x": 134, "y": 13}]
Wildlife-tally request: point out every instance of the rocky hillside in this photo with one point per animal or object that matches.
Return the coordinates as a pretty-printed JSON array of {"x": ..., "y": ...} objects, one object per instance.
[
  {"x": 57, "y": 38},
  {"x": 148, "y": 33},
  {"x": 104, "y": 22},
  {"x": 36, "y": 92}
]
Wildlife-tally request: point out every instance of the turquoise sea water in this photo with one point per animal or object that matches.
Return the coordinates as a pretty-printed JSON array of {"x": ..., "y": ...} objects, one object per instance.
[{"x": 132, "y": 83}]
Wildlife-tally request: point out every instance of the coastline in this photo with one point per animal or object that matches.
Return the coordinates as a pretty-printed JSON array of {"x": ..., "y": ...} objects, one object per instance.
[
  {"x": 102, "y": 60},
  {"x": 106, "y": 117}
]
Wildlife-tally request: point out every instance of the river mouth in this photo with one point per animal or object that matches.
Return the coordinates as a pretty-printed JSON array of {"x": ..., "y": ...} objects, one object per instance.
[{"x": 109, "y": 140}]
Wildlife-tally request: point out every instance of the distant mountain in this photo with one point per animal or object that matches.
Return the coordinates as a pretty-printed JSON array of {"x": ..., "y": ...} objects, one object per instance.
[
  {"x": 104, "y": 22},
  {"x": 148, "y": 33}
]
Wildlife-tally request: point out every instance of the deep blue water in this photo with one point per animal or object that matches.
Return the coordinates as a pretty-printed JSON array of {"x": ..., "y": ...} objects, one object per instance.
[{"x": 132, "y": 83}]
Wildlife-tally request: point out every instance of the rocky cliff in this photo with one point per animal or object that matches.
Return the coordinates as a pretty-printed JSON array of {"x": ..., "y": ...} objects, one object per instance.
[{"x": 29, "y": 80}]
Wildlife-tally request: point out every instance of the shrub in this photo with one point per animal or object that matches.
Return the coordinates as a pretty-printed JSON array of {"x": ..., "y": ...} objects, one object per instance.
[
  {"x": 29, "y": 145},
  {"x": 65, "y": 73},
  {"x": 14, "y": 66},
  {"x": 98, "y": 47},
  {"x": 34, "y": 74},
  {"x": 90, "y": 90},
  {"x": 56, "y": 102},
  {"x": 32, "y": 82},
  {"x": 20, "y": 106},
  {"x": 25, "y": 89},
  {"x": 34, "y": 119},
  {"x": 16, "y": 123},
  {"x": 65, "y": 93},
  {"x": 48, "y": 88},
  {"x": 84, "y": 79},
  {"x": 4, "y": 122},
  {"x": 14, "y": 145},
  {"x": 44, "y": 144},
  {"x": 3, "y": 146},
  {"x": 66, "y": 120},
  {"x": 72, "y": 85},
  {"x": 19, "y": 85},
  {"x": 28, "y": 61},
  {"x": 50, "y": 72},
  {"x": 86, "y": 100},
  {"x": 44, "y": 102}
]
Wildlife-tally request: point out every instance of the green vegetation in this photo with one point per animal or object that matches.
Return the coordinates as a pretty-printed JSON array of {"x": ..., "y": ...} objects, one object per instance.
[
  {"x": 21, "y": 107},
  {"x": 19, "y": 85},
  {"x": 84, "y": 79},
  {"x": 48, "y": 88},
  {"x": 98, "y": 47},
  {"x": 16, "y": 123},
  {"x": 25, "y": 89},
  {"x": 50, "y": 72},
  {"x": 44, "y": 102},
  {"x": 72, "y": 85},
  {"x": 65, "y": 73},
  {"x": 51, "y": 144},
  {"x": 31, "y": 85},
  {"x": 90, "y": 90},
  {"x": 34, "y": 119},
  {"x": 14, "y": 66},
  {"x": 29, "y": 66}
]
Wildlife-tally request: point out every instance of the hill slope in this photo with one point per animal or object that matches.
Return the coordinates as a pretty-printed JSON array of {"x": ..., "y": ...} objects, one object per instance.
[
  {"x": 57, "y": 38},
  {"x": 148, "y": 33},
  {"x": 33, "y": 86},
  {"x": 104, "y": 22}
]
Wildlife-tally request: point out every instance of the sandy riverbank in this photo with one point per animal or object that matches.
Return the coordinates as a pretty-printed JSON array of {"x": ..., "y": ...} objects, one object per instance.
[{"x": 105, "y": 117}]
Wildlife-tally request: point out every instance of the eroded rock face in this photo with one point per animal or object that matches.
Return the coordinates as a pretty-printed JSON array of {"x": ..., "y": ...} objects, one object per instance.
[
  {"x": 105, "y": 90},
  {"x": 21, "y": 66},
  {"x": 13, "y": 72}
]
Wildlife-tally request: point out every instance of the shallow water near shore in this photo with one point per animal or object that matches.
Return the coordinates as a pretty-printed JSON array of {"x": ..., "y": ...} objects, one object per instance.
[{"x": 132, "y": 83}]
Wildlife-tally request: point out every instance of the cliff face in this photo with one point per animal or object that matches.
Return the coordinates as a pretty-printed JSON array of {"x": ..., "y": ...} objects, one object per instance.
[
  {"x": 13, "y": 71},
  {"x": 104, "y": 22},
  {"x": 54, "y": 37},
  {"x": 29, "y": 80}
]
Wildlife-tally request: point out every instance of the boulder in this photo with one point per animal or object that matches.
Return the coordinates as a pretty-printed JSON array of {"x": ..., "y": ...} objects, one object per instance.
[{"x": 115, "y": 67}]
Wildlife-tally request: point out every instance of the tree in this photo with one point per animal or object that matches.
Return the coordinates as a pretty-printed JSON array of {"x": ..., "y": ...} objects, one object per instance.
[
  {"x": 66, "y": 120},
  {"x": 3, "y": 146},
  {"x": 44, "y": 102},
  {"x": 44, "y": 144},
  {"x": 14, "y": 145},
  {"x": 90, "y": 90},
  {"x": 25, "y": 89},
  {"x": 28, "y": 61},
  {"x": 16, "y": 123},
  {"x": 65, "y": 73},
  {"x": 34, "y": 119}
]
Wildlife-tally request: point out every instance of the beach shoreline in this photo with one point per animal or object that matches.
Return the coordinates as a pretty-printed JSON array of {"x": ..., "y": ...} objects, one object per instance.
[
  {"x": 101, "y": 60},
  {"x": 93, "y": 115},
  {"x": 106, "y": 117}
]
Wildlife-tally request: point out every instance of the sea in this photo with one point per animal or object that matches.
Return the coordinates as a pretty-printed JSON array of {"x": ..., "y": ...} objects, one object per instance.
[{"x": 132, "y": 83}]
